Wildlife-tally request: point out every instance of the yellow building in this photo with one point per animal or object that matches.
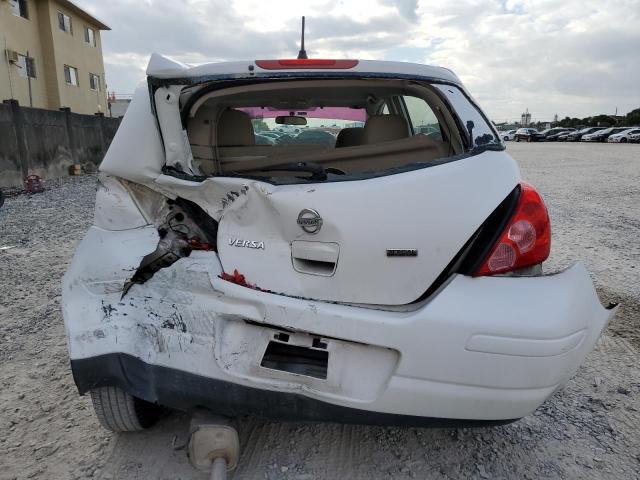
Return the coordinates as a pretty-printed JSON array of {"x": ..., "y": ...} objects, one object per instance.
[{"x": 52, "y": 56}]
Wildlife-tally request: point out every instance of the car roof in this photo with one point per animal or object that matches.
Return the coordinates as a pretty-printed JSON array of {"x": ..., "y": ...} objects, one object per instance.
[{"x": 163, "y": 67}]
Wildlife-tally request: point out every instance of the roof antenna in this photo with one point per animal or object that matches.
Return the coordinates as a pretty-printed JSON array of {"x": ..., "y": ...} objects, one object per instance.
[{"x": 302, "y": 54}]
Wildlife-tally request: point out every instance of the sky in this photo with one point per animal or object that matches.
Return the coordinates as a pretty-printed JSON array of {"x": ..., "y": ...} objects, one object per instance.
[{"x": 569, "y": 57}]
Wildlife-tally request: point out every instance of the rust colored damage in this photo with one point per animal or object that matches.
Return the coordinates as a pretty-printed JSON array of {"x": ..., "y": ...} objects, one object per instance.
[{"x": 239, "y": 279}]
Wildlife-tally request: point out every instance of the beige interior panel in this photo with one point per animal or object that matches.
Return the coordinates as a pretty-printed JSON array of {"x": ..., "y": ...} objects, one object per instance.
[{"x": 378, "y": 156}]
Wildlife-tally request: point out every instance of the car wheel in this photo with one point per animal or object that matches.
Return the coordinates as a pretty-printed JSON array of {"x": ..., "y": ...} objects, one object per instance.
[
  {"x": 120, "y": 412},
  {"x": 505, "y": 138},
  {"x": 622, "y": 140},
  {"x": 517, "y": 139}
]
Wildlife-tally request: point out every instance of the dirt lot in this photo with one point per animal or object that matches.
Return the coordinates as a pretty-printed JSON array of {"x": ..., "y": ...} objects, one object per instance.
[{"x": 589, "y": 430}]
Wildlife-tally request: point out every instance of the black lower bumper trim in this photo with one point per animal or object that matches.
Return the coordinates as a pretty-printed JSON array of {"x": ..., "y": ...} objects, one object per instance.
[{"x": 185, "y": 391}]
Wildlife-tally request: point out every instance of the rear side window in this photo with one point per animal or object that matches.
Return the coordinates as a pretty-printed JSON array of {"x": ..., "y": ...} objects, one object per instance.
[
  {"x": 421, "y": 117},
  {"x": 474, "y": 123}
]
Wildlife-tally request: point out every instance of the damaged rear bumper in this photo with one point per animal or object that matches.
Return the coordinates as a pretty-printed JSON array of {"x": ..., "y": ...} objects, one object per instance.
[
  {"x": 482, "y": 349},
  {"x": 184, "y": 391}
]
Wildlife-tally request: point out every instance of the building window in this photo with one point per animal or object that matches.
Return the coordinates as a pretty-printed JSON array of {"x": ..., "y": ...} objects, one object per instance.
[
  {"x": 94, "y": 82},
  {"x": 19, "y": 8},
  {"x": 64, "y": 23},
  {"x": 90, "y": 36},
  {"x": 70, "y": 75},
  {"x": 27, "y": 66}
]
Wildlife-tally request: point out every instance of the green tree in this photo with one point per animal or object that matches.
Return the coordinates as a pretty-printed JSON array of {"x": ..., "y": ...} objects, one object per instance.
[
  {"x": 600, "y": 121},
  {"x": 565, "y": 122},
  {"x": 633, "y": 117}
]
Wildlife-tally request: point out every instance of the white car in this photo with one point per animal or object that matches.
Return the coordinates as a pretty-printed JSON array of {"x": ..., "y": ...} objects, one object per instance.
[
  {"x": 624, "y": 136},
  {"x": 602, "y": 135},
  {"x": 390, "y": 279},
  {"x": 507, "y": 135}
]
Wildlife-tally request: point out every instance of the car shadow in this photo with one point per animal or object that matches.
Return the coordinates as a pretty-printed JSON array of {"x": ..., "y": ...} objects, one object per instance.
[{"x": 293, "y": 450}]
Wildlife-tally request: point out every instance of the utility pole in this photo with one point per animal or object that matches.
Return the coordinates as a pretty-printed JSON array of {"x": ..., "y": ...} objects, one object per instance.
[
  {"x": 6, "y": 57},
  {"x": 26, "y": 67}
]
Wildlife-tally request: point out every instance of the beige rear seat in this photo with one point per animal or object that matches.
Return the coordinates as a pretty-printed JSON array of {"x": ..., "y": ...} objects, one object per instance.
[
  {"x": 385, "y": 137},
  {"x": 236, "y": 140},
  {"x": 378, "y": 156},
  {"x": 235, "y": 129},
  {"x": 350, "y": 137},
  {"x": 384, "y": 128}
]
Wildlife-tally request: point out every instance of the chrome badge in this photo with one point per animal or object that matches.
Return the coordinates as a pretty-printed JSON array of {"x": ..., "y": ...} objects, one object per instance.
[
  {"x": 402, "y": 252},
  {"x": 310, "y": 221},
  {"x": 237, "y": 242}
]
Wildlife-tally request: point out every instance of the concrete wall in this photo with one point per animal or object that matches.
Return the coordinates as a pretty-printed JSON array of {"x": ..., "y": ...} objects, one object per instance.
[{"x": 46, "y": 142}]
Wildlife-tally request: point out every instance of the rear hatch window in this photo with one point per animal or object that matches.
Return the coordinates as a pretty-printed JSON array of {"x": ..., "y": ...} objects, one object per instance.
[{"x": 292, "y": 131}]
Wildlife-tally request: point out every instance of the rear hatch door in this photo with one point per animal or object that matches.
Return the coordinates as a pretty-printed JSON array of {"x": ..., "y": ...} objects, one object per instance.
[{"x": 381, "y": 240}]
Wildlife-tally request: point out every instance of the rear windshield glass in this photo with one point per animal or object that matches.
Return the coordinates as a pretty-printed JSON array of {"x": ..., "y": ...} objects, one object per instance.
[
  {"x": 321, "y": 124},
  {"x": 327, "y": 130}
]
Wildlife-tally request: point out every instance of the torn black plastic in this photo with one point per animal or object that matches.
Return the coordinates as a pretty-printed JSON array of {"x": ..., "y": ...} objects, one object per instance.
[{"x": 185, "y": 227}]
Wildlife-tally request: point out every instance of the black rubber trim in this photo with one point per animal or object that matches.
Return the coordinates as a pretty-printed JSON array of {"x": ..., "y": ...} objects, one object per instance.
[
  {"x": 184, "y": 391},
  {"x": 468, "y": 260},
  {"x": 488, "y": 234}
]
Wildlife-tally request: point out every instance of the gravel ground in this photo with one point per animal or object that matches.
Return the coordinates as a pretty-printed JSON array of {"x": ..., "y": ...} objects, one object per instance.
[{"x": 588, "y": 430}]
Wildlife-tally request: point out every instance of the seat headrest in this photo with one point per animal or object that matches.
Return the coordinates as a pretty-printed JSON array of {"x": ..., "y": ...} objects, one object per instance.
[
  {"x": 350, "y": 137},
  {"x": 235, "y": 129},
  {"x": 199, "y": 127},
  {"x": 384, "y": 128}
]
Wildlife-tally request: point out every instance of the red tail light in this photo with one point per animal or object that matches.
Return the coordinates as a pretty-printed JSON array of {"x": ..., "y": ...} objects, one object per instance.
[
  {"x": 306, "y": 63},
  {"x": 525, "y": 241}
]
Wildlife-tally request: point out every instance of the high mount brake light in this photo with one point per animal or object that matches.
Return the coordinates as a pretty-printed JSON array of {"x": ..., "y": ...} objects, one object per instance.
[
  {"x": 306, "y": 63},
  {"x": 526, "y": 239}
]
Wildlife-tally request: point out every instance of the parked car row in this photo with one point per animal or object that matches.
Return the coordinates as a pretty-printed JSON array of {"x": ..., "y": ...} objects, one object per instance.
[
  {"x": 311, "y": 135},
  {"x": 562, "y": 134},
  {"x": 631, "y": 135},
  {"x": 268, "y": 137}
]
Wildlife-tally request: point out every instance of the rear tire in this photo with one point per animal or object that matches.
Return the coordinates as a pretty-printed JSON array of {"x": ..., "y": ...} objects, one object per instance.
[
  {"x": 622, "y": 140},
  {"x": 517, "y": 139},
  {"x": 120, "y": 412}
]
